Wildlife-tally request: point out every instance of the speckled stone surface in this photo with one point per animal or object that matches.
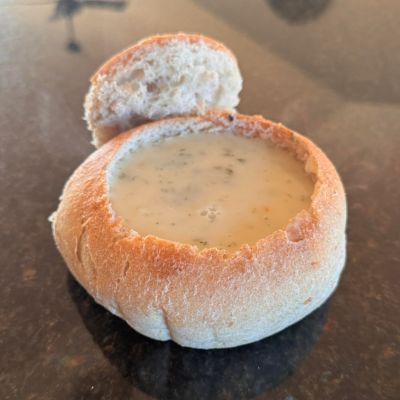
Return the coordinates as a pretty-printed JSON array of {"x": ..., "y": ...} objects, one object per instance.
[{"x": 328, "y": 69}]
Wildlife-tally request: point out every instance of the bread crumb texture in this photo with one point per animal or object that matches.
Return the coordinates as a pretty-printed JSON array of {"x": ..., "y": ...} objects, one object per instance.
[{"x": 169, "y": 75}]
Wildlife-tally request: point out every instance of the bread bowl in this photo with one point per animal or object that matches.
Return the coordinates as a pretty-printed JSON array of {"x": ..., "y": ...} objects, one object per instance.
[
  {"x": 204, "y": 297},
  {"x": 161, "y": 76}
]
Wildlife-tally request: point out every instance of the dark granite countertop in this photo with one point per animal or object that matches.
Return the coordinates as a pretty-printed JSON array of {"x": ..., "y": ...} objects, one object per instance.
[{"x": 327, "y": 68}]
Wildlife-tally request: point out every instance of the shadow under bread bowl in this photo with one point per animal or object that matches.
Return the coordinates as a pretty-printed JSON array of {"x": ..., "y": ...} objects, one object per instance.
[
  {"x": 243, "y": 372},
  {"x": 211, "y": 297}
]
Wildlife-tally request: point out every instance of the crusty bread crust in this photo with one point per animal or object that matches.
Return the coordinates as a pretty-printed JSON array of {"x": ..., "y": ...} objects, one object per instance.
[
  {"x": 102, "y": 132},
  {"x": 161, "y": 40},
  {"x": 209, "y": 298}
]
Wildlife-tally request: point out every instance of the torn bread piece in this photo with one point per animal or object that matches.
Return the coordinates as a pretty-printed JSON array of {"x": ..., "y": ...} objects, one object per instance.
[{"x": 161, "y": 76}]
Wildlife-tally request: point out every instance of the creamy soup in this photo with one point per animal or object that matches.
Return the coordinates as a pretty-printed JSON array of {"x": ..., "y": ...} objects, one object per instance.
[{"x": 209, "y": 190}]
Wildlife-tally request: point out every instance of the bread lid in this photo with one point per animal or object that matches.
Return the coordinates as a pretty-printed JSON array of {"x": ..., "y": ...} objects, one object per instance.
[{"x": 161, "y": 76}]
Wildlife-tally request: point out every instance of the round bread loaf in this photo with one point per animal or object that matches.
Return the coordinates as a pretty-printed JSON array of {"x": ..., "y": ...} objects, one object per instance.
[
  {"x": 210, "y": 298},
  {"x": 159, "y": 77}
]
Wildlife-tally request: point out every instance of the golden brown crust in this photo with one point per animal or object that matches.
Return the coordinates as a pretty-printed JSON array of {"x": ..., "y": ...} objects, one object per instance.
[
  {"x": 209, "y": 298},
  {"x": 125, "y": 55}
]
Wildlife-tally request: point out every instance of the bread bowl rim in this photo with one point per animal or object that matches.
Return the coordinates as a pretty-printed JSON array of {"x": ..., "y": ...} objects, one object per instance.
[{"x": 219, "y": 117}]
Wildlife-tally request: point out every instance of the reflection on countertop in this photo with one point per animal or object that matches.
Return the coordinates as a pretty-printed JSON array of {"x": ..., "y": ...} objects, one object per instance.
[
  {"x": 299, "y": 11},
  {"x": 68, "y": 8},
  {"x": 350, "y": 47}
]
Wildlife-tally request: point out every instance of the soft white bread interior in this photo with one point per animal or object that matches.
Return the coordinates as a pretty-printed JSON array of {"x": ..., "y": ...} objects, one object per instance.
[
  {"x": 162, "y": 76},
  {"x": 211, "y": 298}
]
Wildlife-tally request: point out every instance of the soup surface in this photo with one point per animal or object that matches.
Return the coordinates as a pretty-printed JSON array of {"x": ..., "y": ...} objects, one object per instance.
[{"x": 209, "y": 190}]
